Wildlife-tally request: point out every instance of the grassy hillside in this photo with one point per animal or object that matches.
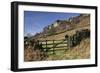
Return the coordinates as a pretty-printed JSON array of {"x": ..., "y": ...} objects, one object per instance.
[{"x": 62, "y": 35}]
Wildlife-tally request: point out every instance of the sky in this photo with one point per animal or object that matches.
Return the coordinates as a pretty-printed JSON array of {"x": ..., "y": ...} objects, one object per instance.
[{"x": 34, "y": 21}]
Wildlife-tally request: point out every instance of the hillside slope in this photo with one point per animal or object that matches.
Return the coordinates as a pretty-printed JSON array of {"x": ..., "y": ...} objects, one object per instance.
[{"x": 62, "y": 35}]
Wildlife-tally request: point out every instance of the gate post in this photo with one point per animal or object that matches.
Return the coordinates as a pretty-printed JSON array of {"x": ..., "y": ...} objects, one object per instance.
[
  {"x": 69, "y": 42},
  {"x": 46, "y": 47},
  {"x": 53, "y": 48}
]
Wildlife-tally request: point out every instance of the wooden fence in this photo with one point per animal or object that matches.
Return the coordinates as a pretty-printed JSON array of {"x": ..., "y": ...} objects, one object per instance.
[{"x": 53, "y": 45}]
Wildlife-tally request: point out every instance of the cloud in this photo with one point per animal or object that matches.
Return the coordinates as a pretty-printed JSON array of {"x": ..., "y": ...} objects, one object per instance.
[{"x": 28, "y": 34}]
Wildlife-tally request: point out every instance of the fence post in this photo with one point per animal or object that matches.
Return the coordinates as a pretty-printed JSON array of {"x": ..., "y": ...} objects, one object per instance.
[
  {"x": 68, "y": 42},
  {"x": 46, "y": 44},
  {"x": 38, "y": 41},
  {"x": 53, "y": 48},
  {"x": 46, "y": 48}
]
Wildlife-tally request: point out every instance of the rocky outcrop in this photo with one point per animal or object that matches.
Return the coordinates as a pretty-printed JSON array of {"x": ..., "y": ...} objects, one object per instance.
[{"x": 63, "y": 25}]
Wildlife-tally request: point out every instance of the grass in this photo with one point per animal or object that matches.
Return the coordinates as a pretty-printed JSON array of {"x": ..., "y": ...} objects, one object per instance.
[{"x": 81, "y": 51}]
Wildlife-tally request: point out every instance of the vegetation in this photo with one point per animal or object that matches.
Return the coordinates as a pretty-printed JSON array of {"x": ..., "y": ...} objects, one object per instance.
[{"x": 47, "y": 50}]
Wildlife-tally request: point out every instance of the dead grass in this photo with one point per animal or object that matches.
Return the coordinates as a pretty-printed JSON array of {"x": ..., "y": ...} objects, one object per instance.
[{"x": 34, "y": 55}]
